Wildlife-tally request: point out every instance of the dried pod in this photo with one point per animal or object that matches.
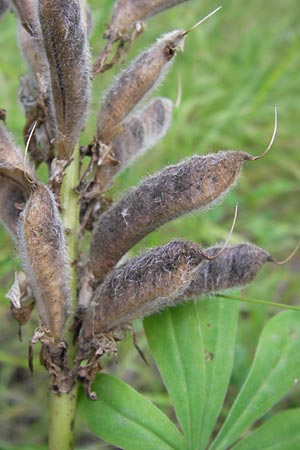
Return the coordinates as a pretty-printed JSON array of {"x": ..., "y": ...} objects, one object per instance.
[
  {"x": 65, "y": 40},
  {"x": 195, "y": 183},
  {"x": 26, "y": 10},
  {"x": 12, "y": 201},
  {"x": 43, "y": 255},
  {"x": 136, "y": 81},
  {"x": 12, "y": 162},
  {"x": 139, "y": 133},
  {"x": 3, "y": 7},
  {"x": 127, "y": 12},
  {"x": 235, "y": 266},
  {"x": 143, "y": 285},
  {"x": 40, "y": 148}
]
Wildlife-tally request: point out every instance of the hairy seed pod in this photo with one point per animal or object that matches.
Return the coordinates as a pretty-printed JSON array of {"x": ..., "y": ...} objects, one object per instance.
[
  {"x": 139, "y": 133},
  {"x": 195, "y": 183},
  {"x": 144, "y": 284},
  {"x": 26, "y": 10},
  {"x": 235, "y": 266},
  {"x": 12, "y": 201},
  {"x": 43, "y": 255},
  {"x": 12, "y": 162},
  {"x": 3, "y": 7},
  {"x": 65, "y": 40},
  {"x": 127, "y": 12},
  {"x": 137, "y": 80},
  {"x": 40, "y": 148}
]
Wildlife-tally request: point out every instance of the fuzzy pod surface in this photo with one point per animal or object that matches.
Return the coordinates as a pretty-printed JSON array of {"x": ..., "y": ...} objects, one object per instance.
[
  {"x": 139, "y": 133},
  {"x": 127, "y": 12},
  {"x": 26, "y": 10},
  {"x": 43, "y": 256},
  {"x": 195, "y": 183},
  {"x": 3, "y": 7},
  {"x": 236, "y": 266},
  {"x": 141, "y": 286},
  {"x": 64, "y": 34},
  {"x": 12, "y": 200},
  {"x": 12, "y": 162},
  {"x": 136, "y": 81}
]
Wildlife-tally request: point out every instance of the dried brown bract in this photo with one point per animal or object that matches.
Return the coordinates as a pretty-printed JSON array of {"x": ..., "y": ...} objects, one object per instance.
[
  {"x": 196, "y": 183},
  {"x": 236, "y": 266},
  {"x": 139, "y": 133},
  {"x": 13, "y": 164},
  {"x": 143, "y": 285},
  {"x": 65, "y": 40},
  {"x": 43, "y": 256}
]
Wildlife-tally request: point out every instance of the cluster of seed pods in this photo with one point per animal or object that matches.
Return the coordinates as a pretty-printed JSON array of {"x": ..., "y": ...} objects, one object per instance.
[{"x": 53, "y": 38}]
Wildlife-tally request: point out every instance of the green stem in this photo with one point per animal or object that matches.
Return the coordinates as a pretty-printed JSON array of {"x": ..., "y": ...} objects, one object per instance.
[
  {"x": 62, "y": 407},
  {"x": 61, "y": 420}
]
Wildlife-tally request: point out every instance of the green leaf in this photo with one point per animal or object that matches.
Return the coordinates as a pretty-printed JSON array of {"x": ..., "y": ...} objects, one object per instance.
[
  {"x": 275, "y": 368},
  {"x": 281, "y": 432},
  {"x": 175, "y": 340},
  {"x": 218, "y": 320},
  {"x": 126, "y": 419}
]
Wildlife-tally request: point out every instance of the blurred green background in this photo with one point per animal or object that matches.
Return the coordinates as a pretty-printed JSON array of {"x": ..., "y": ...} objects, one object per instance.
[{"x": 235, "y": 68}]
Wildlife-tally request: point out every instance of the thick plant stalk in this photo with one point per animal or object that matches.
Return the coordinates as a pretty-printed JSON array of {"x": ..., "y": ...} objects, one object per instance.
[{"x": 63, "y": 406}]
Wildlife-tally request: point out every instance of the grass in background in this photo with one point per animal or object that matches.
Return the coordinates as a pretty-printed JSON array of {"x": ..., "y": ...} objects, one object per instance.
[{"x": 235, "y": 68}]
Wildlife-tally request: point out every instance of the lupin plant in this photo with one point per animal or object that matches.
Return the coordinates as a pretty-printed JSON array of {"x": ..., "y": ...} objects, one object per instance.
[{"x": 85, "y": 300}]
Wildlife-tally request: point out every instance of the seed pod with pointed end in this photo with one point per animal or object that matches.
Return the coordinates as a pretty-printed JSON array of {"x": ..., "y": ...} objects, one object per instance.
[
  {"x": 127, "y": 12},
  {"x": 144, "y": 284},
  {"x": 236, "y": 266},
  {"x": 139, "y": 133},
  {"x": 43, "y": 256},
  {"x": 195, "y": 183},
  {"x": 136, "y": 81},
  {"x": 12, "y": 162},
  {"x": 65, "y": 40},
  {"x": 12, "y": 201}
]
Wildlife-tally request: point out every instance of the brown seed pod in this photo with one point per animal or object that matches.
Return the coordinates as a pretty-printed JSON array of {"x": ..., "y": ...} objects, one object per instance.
[
  {"x": 127, "y": 12},
  {"x": 3, "y": 7},
  {"x": 12, "y": 162},
  {"x": 136, "y": 81},
  {"x": 64, "y": 36},
  {"x": 143, "y": 285},
  {"x": 195, "y": 183},
  {"x": 236, "y": 266},
  {"x": 139, "y": 133},
  {"x": 26, "y": 10},
  {"x": 43, "y": 256},
  {"x": 40, "y": 147},
  {"x": 12, "y": 201}
]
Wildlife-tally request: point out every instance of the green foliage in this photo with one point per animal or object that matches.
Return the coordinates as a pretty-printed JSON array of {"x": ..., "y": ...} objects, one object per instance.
[
  {"x": 233, "y": 71},
  {"x": 193, "y": 346}
]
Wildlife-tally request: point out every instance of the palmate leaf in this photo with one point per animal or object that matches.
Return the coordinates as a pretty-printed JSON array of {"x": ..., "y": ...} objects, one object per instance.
[
  {"x": 193, "y": 346},
  {"x": 275, "y": 369},
  {"x": 124, "y": 418}
]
